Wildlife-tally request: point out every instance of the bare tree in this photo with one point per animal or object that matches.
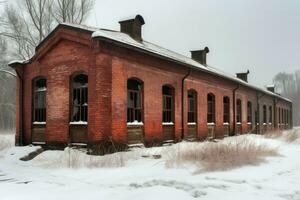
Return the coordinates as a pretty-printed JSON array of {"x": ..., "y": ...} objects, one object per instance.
[
  {"x": 74, "y": 11},
  {"x": 288, "y": 84},
  {"x": 27, "y": 23}
]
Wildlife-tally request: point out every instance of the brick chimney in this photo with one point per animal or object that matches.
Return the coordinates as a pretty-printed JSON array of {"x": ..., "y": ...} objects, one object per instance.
[
  {"x": 243, "y": 76},
  {"x": 133, "y": 27},
  {"x": 200, "y": 55},
  {"x": 271, "y": 88}
]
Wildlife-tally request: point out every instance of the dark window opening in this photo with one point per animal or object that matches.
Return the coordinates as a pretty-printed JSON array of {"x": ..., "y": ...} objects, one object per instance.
[
  {"x": 192, "y": 106},
  {"x": 226, "y": 109},
  {"x": 270, "y": 114},
  {"x": 80, "y": 98},
  {"x": 238, "y": 111},
  {"x": 134, "y": 101},
  {"x": 168, "y": 104},
  {"x": 264, "y": 114},
  {"x": 39, "y": 103},
  {"x": 249, "y": 112},
  {"x": 210, "y": 108}
]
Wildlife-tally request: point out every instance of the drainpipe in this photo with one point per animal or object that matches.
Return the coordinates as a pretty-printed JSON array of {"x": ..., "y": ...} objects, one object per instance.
[
  {"x": 182, "y": 103},
  {"x": 234, "y": 103}
]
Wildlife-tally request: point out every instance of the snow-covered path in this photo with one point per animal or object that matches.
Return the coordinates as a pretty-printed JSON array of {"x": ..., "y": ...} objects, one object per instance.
[{"x": 146, "y": 178}]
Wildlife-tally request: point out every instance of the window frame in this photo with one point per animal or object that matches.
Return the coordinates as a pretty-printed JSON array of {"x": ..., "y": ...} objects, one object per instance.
[
  {"x": 249, "y": 112},
  {"x": 239, "y": 111},
  {"x": 265, "y": 118},
  {"x": 41, "y": 118},
  {"x": 137, "y": 107},
  {"x": 83, "y": 96},
  {"x": 211, "y": 115},
  {"x": 226, "y": 109},
  {"x": 192, "y": 113},
  {"x": 168, "y": 111}
]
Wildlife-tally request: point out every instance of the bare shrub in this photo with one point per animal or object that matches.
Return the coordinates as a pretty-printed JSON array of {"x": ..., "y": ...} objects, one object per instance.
[
  {"x": 6, "y": 141},
  {"x": 288, "y": 136},
  {"x": 273, "y": 134},
  {"x": 291, "y": 136},
  {"x": 222, "y": 155},
  {"x": 75, "y": 158}
]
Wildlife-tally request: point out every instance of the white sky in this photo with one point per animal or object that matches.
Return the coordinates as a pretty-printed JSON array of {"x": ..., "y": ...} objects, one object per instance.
[{"x": 260, "y": 35}]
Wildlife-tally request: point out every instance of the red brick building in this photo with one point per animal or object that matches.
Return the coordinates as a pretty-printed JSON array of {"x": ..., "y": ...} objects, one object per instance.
[{"x": 86, "y": 85}]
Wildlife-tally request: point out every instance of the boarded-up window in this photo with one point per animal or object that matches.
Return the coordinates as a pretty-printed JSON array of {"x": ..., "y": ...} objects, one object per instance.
[
  {"x": 249, "y": 112},
  {"x": 79, "y": 98},
  {"x": 238, "y": 111},
  {"x": 226, "y": 108},
  {"x": 39, "y": 102},
  {"x": 192, "y": 106},
  {"x": 168, "y": 104},
  {"x": 210, "y": 108},
  {"x": 134, "y": 101}
]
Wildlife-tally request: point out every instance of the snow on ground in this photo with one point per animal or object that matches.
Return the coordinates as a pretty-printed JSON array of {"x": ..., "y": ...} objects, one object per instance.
[{"x": 137, "y": 175}]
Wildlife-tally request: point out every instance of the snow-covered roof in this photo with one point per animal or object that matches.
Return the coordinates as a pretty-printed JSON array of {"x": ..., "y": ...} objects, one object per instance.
[{"x": 125, "y": 39}]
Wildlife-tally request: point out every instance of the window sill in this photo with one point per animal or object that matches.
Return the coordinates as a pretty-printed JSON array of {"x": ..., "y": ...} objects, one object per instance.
[
  {"x": 39, "y": 123},
  {"x": 135, "y": 123},
  {"x": 249, "y": 123},
  {"x": 191, "y": 123},
  {"x": 211, "y": 124},
  {"x": 239, "y": 123},
  {"x": 225, "y": 123},
  {"x": 79, "y": 123},
  {"x": 167, "y": 123}
]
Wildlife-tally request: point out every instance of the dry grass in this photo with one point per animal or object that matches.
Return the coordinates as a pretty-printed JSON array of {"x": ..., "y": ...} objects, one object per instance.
[
  {"x": 6, "y": 141},
  {"x": 289, "y": 136},
  {"x": 221, "y": 156},
  {"x": 73, "y": 158}
]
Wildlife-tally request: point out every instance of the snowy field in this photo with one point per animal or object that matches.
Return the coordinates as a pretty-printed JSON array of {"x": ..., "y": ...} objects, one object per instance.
[{"x": 143, "y": 174}]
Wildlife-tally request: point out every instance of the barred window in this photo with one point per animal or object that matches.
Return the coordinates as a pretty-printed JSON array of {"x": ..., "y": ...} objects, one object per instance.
[
  {"x": 249, "y": 112},
  {"x": 226, "y": 109},
  {"x": 264, "y": 114},
  {"x": 39, "y": 102},
  {"x": 192, "y": 106},
  {"x": 134, "y": 101},
  {"x": 238, "y": 111},
  {"x": 168, "y": 104},
  {"x": 210, "y": 108},
  {"x": 79, "y": 98}
]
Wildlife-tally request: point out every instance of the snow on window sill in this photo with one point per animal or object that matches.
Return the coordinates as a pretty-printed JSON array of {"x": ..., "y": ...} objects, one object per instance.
[
  {"x": 270, "y": 123},
  {"x": 211, "y": 124},
  {"x": 78, "y": 123},
  {"x": 191, "y": 123},
  {"x": 168, "y": 123},
  {"x": 238, "y": 123},
  {"x": 39, "y": 123},
  {"x": 135, "y": 123},
  {"x": 249, "y": 123},
  {"x": 264, "y": 124},
  {"x": 226, "y": 123}
]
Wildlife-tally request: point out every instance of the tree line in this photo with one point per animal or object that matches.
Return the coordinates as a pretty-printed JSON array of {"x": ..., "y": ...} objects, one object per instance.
[{"x": 288, "y": 85}]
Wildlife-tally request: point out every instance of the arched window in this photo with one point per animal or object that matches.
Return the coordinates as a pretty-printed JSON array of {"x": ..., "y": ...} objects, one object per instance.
[
  {"x": 226, "y": 109},
  {"x": 238, "y": 111},
  {"x": 279, "y": 116},
  {"x": 264, "y": 114},
  {"x": 168, "y": 104},
  {"x": 270, "y": 114},
  {"x": 210, "y": 108},
  {"x": 249, "y": 112},
  {"x": 39, "y": 101},
  {"x": 192, "y": 106},
  {"x": 282, "y": 115},
  {"x": 79, "y": 98},
  {"x": 134, "y": 98}
]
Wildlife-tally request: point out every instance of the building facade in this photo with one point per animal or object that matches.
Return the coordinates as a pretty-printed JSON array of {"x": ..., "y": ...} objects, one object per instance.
[{"x": 85, "y": 85}]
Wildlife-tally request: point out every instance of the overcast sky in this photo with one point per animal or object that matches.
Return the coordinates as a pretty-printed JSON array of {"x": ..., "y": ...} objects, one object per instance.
[{"x": 260, "y": 35}]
